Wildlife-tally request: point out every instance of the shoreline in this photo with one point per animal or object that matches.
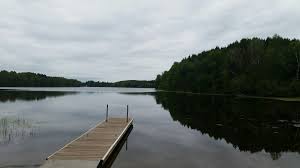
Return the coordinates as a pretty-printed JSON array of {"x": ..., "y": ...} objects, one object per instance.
[{"x": 290, "y": 99}]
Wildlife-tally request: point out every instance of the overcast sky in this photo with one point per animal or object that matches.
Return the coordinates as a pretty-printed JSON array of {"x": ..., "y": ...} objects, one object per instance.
[{"x": 125, "y": 39}]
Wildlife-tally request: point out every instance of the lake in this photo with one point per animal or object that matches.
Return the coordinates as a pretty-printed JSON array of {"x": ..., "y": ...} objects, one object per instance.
[{"x": 170, "y": 129}]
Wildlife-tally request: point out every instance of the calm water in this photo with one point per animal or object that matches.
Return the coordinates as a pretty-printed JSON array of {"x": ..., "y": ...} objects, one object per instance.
[{"x": 170, "y": 130}]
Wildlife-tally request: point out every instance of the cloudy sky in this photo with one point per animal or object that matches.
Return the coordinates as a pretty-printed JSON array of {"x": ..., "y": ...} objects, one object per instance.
[{"x": 126, "y": 39}]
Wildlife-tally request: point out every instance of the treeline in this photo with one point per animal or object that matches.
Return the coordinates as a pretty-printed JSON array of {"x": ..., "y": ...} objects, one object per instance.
[
  {"x": 28, "y": 79},
  {"x": 127, "y": 83},
  {"x": 264, "y": 67}
]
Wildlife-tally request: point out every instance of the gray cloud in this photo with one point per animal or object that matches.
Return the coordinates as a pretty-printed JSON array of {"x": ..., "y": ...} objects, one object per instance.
[{"x": 119, "y": 40}]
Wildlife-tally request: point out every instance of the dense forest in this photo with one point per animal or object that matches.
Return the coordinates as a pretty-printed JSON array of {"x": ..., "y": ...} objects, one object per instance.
[
  {"x": 127, "y": 83},
  {"x": 28, "y": 79},
  {"x": 264, "y": 67}
]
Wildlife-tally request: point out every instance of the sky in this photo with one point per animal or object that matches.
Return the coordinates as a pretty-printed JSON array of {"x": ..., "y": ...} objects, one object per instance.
[{"x": 130, "y": 39}]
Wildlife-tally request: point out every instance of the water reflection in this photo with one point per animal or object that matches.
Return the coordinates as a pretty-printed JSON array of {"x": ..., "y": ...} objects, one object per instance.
[
  {"x": 12, "y": 95},
  {"x": 248, "y": 124},
  {"x": 13, "y": 130}
]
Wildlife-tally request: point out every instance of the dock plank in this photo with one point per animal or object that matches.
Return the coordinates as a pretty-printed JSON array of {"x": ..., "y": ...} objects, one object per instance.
[{"x": 96, "y": 144}]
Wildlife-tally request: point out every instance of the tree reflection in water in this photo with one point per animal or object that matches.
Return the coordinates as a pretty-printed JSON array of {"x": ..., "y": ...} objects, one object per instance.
[
  {"x": 14, "y": 129},
  {"x": 248, "y": 124},
  {"x": 13, "y": 95}
]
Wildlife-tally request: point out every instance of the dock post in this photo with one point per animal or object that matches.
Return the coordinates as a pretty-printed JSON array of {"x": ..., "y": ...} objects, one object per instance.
[
  {"x": 106, "y": 113},
  {"x": 127, "y": 114}
]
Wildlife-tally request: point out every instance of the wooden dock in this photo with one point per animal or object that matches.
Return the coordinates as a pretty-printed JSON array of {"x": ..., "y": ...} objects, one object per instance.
[{"x": 93, "y": 148}]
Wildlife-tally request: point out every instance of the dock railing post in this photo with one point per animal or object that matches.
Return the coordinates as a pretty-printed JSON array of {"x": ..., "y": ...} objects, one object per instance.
[
  {"x": 106, "y": 113},
  {"x": 127, "y": 114}
]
